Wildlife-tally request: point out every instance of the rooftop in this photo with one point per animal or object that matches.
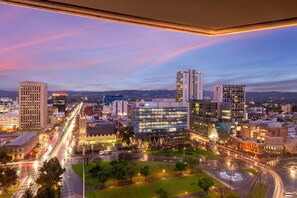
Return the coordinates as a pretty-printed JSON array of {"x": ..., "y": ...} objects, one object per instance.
[
  {"x": 22, "y": 139},
  {"x": 100, "y": 127}
]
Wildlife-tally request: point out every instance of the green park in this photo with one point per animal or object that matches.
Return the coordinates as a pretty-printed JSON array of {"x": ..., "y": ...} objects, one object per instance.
[{"x": 149, "y": 179}]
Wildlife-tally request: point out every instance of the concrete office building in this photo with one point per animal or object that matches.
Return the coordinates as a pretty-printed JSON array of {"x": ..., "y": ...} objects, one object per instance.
[
  {"x": 33, "y": 112},
  {"x": 235, "y": 94},
  {"x": 189, "y": 86}
]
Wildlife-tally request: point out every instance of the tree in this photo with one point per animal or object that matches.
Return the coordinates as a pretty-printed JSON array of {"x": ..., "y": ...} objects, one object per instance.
[
  {"x": 221, "y": 191},
  {"x": 45, "y": 192},
  {"x": 118, "y": 170},
  {"x": 8, "y": 177},
  {"x": 145, "y": 171},
  {"x": 102, "y": 176},
  {"x": 50, "y": 173},
  {"x": 28, "y": 194},
  {"x": 205, "y": 183},
  {"x": 191, "y": 161},
  {"x": 127, "y": 134},
  {"x": 180, "y": 166},
  {"x": 94, "y": 171},
  {"x": 161, "y": 193},
  {"x": 130, "y": 169},
  {"x": 4, "y": 157}
]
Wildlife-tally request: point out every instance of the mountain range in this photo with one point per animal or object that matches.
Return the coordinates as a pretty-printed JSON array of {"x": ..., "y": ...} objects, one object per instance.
[{"x": 261, "y": 97}]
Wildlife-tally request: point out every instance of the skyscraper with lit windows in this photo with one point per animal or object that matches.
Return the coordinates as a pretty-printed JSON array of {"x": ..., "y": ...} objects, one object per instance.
[
  {"x": 33, "y": 98},
  {"x": 189, "y": 85},
  {"x": 236, "y": 95}
]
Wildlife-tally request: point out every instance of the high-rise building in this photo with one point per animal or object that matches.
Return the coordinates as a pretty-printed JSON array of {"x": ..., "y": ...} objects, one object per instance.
[
  {"x": 287, "y": 108},
  {"x": 60, "y": 101},
  {"x": 33, "y": 105},
  {"x": 189, "y": 86},
  {"x": 119, "y": 107},
  {"x": 158, "y": 119},
  {"x": 235, "y": 94}
]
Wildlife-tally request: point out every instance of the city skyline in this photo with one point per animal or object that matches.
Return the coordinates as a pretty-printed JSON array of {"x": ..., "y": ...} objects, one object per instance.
[{"x": 75, "y": 53}]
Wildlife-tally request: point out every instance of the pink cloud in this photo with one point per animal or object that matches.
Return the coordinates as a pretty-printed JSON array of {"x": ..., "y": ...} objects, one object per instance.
[{"x": 48, "y": 39}]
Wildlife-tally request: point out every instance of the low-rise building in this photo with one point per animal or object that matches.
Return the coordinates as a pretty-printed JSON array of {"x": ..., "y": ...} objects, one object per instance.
[
  {"x": 21, "y": 146},
  {"x": 247, "y": 145},
  {"x": 269, "y": 133},
  {"x": 95, "y": 133},
  {"x": 291, "y": 145},
  {"x": 9, "y": 122}
]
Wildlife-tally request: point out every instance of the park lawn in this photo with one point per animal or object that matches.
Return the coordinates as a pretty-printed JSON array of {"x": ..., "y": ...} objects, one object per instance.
[
  {"x": 258, "y": 190},
  {"x": 196, "y": 153},
  {"x": 251, "y": 170},
  {"x": 229, "y": 194},
  {"x": 91, "y": 182},
  {"x": 174, "y": 186},
  {"x": 156, "y": 169}
]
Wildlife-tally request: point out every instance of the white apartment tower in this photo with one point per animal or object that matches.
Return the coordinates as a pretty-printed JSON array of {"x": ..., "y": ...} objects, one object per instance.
[
  {"x": 33, "y": 105},
  {"x": 119, "y": 107},
  {"x": 189, "y": 85}
]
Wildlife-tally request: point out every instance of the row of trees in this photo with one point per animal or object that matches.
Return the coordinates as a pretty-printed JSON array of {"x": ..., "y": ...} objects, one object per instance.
[{"x": 49, "y": 179}]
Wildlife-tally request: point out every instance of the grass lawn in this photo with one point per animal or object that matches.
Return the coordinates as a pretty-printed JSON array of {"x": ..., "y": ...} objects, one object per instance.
[
  {"x": 156, "y": 169},
  {"x": 258, "y": 191},
  {"x": 174, "y": 186},
  {"x": 251, "y": 170},
  {"x": 196, "y": 153},
  {"x": 91, "y": 182}
]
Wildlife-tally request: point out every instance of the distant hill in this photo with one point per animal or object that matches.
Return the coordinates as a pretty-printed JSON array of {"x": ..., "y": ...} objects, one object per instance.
[
  {"x": 10, "y": 94},
  {"x": 277, "y": 97}
]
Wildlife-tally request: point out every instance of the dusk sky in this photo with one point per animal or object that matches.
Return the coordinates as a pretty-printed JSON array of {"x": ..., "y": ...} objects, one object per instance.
[{"x": 74, "y": 53}]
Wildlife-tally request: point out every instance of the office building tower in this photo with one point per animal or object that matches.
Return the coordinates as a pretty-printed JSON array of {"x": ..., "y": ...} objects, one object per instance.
[
  {"x": 235, "y": 94},
  {"x": 33, "y": 105},
  {"x": 60, "y": 101},
  {"x": 189, "y": 86},
  {"x": 158, "y": 119}
]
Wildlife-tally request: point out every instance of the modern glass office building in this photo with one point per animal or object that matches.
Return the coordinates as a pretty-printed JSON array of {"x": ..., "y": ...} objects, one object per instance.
[{"x": 152, "y": 118}]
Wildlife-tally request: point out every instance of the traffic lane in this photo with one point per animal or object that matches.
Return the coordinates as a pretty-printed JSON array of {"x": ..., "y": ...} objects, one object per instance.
[{"x": 287, "y": 173}]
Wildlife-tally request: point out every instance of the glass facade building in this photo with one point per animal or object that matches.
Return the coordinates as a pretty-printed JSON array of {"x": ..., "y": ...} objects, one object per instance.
[
  {"x": 109, "y": 99},
  {"x": 157, "y": 117}
]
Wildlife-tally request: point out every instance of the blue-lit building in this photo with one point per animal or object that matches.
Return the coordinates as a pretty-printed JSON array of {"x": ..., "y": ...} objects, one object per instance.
[{"x": 109, "y": 99}]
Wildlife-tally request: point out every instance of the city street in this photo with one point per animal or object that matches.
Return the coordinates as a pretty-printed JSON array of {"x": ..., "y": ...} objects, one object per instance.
[
  {"x": 72, "y": 184},
  {"x": 28, "y": 169},
  {"x": 287, "y": 169}
]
